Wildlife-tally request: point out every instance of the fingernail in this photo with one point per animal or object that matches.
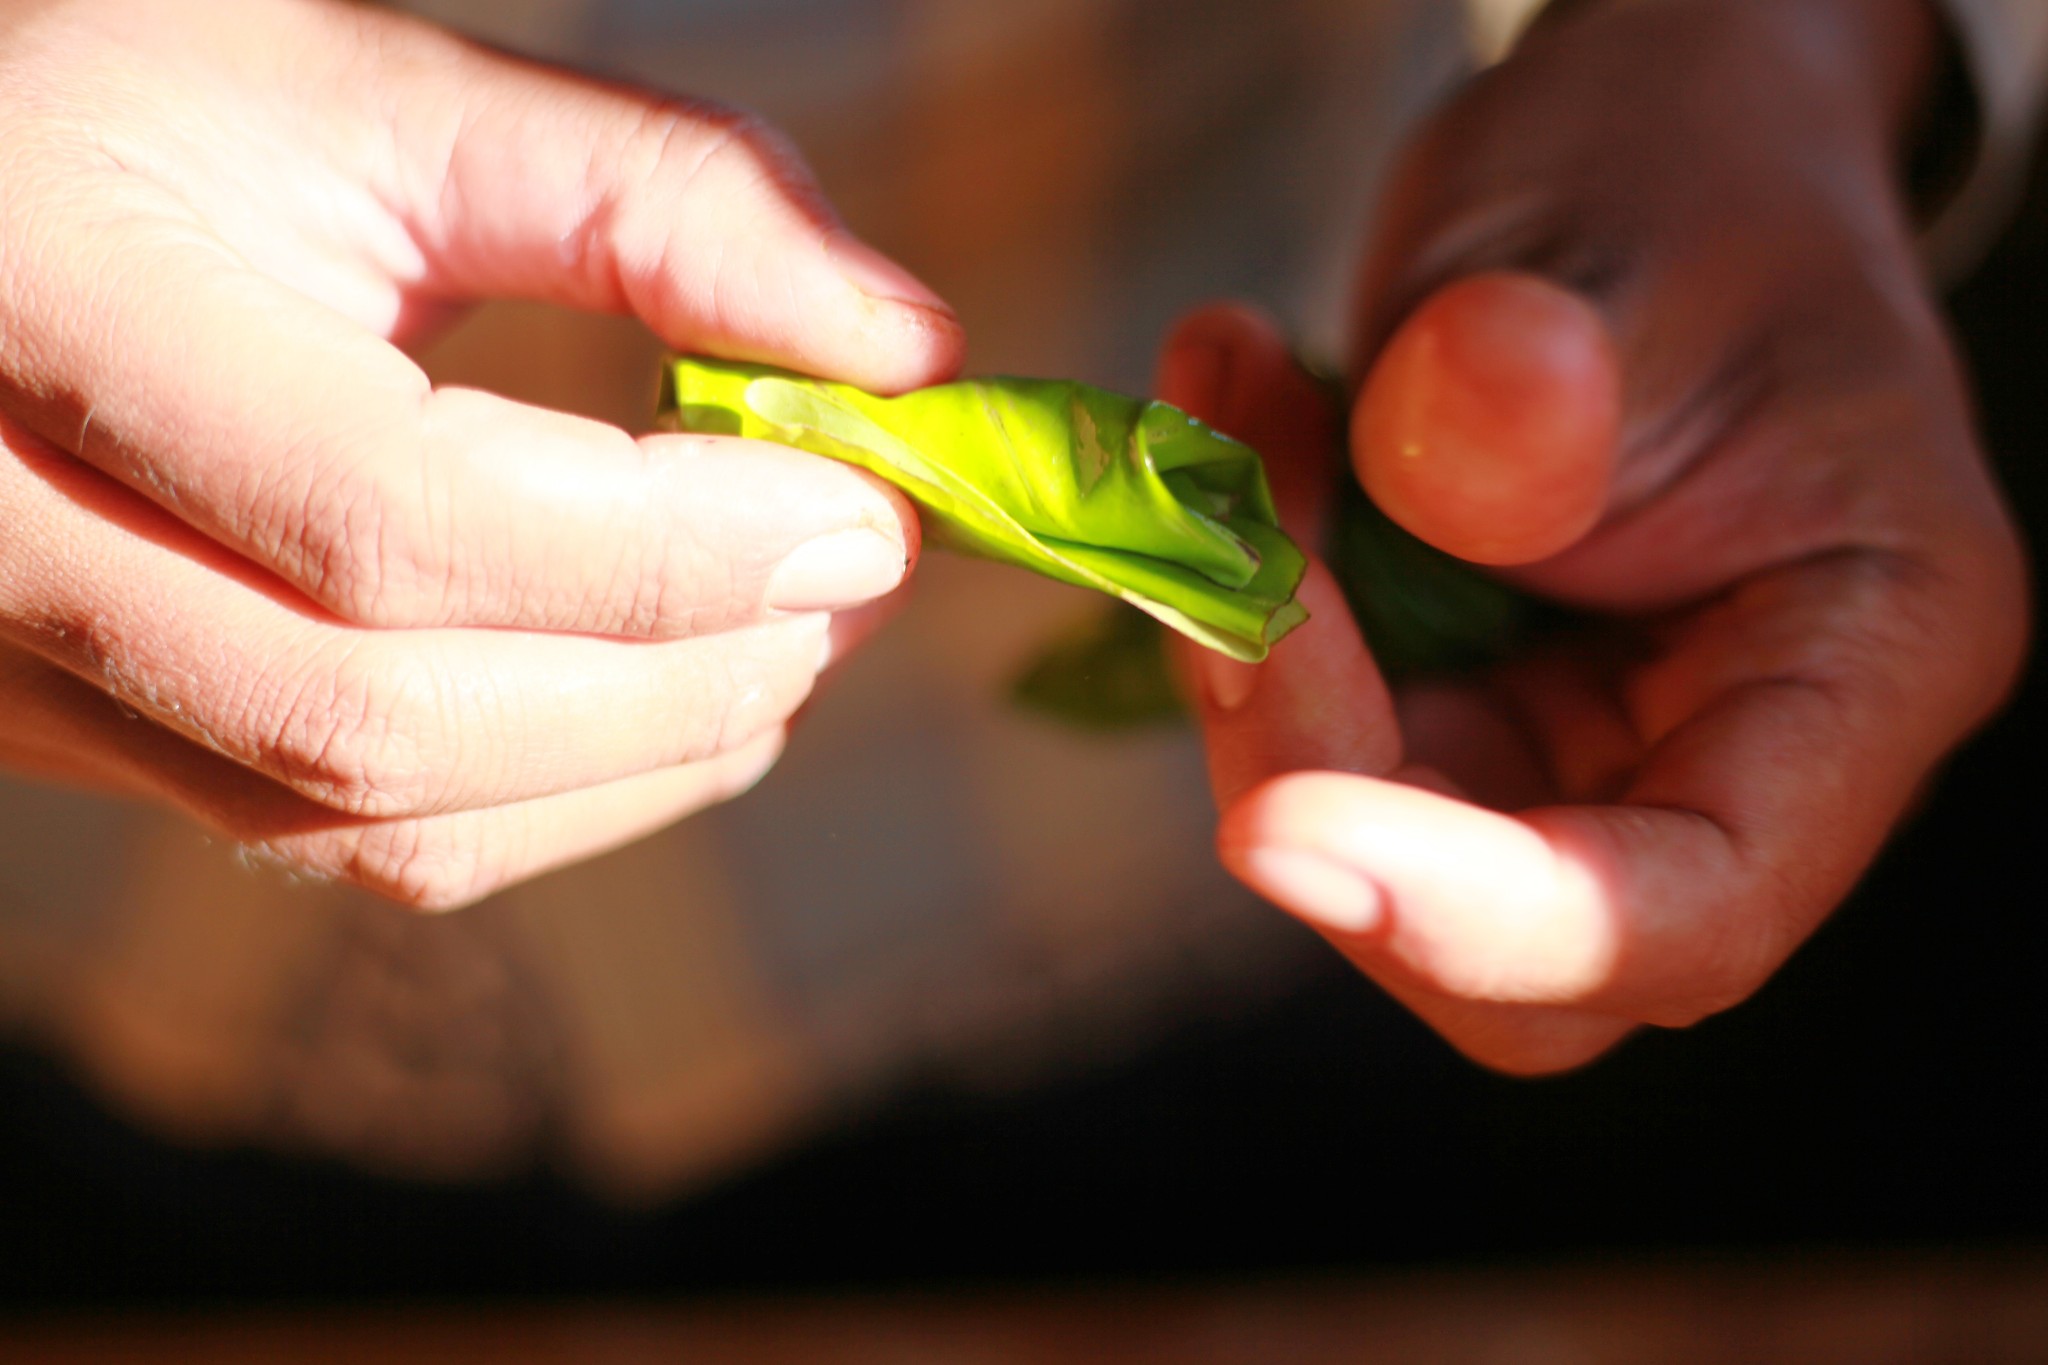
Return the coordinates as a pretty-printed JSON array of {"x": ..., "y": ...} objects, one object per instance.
[
  {"x": 1228, "y": 681},
  {"x": 837, "y": 570},
  {"x": 875, "y": 275},
  {"x": 1314, "y": 887}
]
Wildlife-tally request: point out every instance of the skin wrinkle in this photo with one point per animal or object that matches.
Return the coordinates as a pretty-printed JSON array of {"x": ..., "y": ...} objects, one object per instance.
[
  {"x": 395, "y": 859},
  {"x": 599, "y": 235},
  {"x": 621, "y": 205},
  {"x": 370, "y": 571},
  {"x": 785, "y": 276},
  {"x": 676, "y": 573},
  {"x": 649, "y": 566},
  {"x": 449, "y": 205},
  {"x": 469, "y": 703},
  {"x": 741, "y": 136},
  {"x": 139, "y": 689},
  {"x": 642, "y": 572},
  {"x": 1530, "y": 227},
  {"x": 206, "y": 636},
  {"x": 410, "y": 722},
  {"x": 1663, "y": 453},
  {"x": 1753, "y": 834},
  {"x": 316, "y": 850},
  {"x": 273, "y": 513},
  {"x": 1823, "y": 666},
  {"x": 1876, "y": 582},
  {"x": 342, "y": 744},
  {"x": 1656, "y": 718},
  {"x": 362, "y": 241},
  {"x": 725, "y": 299},
  {"x": 356, "y": 557},
  {"x": 440, "y": 589},
  {"x": 414, "y": 189}
]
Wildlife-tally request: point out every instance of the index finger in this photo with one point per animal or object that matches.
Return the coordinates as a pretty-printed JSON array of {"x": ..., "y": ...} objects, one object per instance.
[
  {"x": 1231, "y": 366},
  {"x": 209, "y": 375},
  {"x": 320, "y": 452}
]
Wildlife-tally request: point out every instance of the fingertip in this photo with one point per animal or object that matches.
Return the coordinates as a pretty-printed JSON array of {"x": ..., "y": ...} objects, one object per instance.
[
  {"x": 836, "y": 570},
  {"x": 903, "y": 347},
  {"x": 783, "y": 489},
  {"x": 1489, "y": 424},
  {"x": 896, "y": 515},
  {"x": 1272, "y": 840},
  {"x": 1531, "y": 1043},
  {"x": 816, "y": 302},
  {"x": 1318, "y": 702},
  {"x": 1322, "y": 893},
  {"x": 877, "y": 276},
  {"x": 743, "y": 769},
  {"x": 1476, "y": 901},
  {"x": 906, "y": 335},
  {"x": 1230, "y": 364}
]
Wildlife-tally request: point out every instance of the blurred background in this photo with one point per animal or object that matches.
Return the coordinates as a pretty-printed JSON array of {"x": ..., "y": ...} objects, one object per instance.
[{"x": 958, "y": 996}]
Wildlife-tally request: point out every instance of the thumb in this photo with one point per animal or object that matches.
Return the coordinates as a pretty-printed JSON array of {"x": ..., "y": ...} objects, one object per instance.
[{"x": 1488, "y": 425}]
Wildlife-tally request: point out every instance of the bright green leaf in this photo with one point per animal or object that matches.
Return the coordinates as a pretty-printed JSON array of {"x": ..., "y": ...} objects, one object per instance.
[{"x": 1132, "y": 498}]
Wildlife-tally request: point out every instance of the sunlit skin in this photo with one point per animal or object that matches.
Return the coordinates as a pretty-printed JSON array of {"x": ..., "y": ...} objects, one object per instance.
[
  {"x": 255, "y": 568},
  {"x": 1802, "y": 589}
]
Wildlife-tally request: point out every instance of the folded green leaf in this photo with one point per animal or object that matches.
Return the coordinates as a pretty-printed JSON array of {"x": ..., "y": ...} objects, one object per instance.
[
  {"x": 1421, "y": 610},
  {"x": 1132, "y": 498}
]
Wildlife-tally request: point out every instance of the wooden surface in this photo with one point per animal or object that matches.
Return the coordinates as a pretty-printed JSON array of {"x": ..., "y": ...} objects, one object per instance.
[{"x": 1984, "y": 1310}]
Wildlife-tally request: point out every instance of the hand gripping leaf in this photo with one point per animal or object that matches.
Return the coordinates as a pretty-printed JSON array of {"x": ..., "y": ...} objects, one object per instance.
[{"x": 1135, "y": 499}]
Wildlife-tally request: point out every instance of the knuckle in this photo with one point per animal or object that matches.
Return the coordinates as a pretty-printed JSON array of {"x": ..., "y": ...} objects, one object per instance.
[
  {"x": 726, "y": 146},
  {"x": 666, "y": 582},
  {"x": 369, "y": 568},
  {"x": 370, "y": 550},
  {"x": 428, "y": 865},
  {"x": 698, "y": 156},
  {"x": 358, "y": 733}
]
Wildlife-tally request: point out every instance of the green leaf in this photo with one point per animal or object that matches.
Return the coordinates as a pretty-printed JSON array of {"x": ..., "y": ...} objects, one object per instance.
[
  {"x": 1132, "y": 498},
  {"x": 1422, "y": 612}
]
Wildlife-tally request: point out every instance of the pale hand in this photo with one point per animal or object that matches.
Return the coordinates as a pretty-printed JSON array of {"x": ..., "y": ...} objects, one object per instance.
[{"x": 253, "y": 566}]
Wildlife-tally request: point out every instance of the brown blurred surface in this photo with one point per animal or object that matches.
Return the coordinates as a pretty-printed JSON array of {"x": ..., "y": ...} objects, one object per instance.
[{"x": 1985, "y": 1310}]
